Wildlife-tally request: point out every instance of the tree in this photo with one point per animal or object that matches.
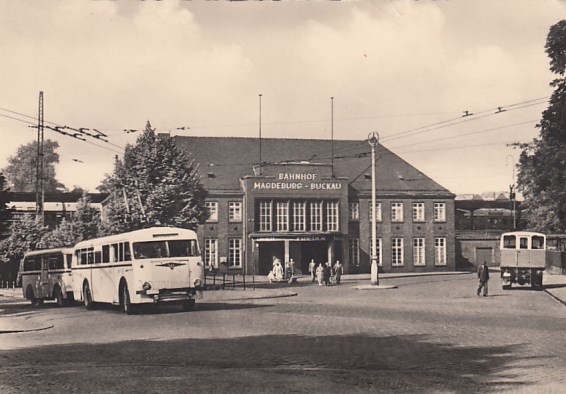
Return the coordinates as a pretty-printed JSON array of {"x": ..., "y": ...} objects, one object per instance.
[
  {"x": 22, "y": 168},
  {"x": 155, "y": 185},
  {"x": 26, "y": 233},
  {"x": 4, "y": 200},
  {"x": 84, "y": 224},
  {"x": 542, "y": 164}
]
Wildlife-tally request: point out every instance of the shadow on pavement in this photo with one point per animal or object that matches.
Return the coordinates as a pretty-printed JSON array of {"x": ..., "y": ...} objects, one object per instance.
[{"x": 272, "y": 363}]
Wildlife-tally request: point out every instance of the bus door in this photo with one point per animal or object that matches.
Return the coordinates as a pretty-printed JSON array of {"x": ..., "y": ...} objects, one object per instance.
[{"x": 44, "y": 276}]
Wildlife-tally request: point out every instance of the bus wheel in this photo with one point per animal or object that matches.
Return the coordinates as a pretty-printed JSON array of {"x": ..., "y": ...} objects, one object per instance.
[
  {"x": 30, "y": 296},
  {"x": 127, "y": 306},
  {"x": 189, "y": 305},
  {"x": 59, "y": 297},
  {"x": 507, "y": 287},
  {"x": 87, "y": 297}
]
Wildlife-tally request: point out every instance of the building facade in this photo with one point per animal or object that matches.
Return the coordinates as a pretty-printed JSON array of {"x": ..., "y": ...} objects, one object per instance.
[{"x": 311, "y": 199}]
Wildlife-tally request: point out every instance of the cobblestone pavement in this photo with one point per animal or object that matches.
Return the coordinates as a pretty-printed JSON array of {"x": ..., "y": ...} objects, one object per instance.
[{"x": 431, "y": 334}]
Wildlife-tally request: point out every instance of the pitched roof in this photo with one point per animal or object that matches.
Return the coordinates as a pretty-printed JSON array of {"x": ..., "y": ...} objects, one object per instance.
[{"x": 227, "y": 159}]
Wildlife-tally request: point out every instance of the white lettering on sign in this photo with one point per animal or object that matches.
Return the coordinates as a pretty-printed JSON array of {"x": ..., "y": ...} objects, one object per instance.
[
  {"x": 284, "y": 176},
  {"x": 326, "y": 186},
  {"x": 278, "y": 185}
]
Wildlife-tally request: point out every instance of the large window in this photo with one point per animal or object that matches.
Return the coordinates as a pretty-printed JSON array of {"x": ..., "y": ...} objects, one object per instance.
[
  {"x": 299, "y": 216},
  {"x": 332, "y": 216},
  {"x": 440, "y": 251},
  {"x": 377, "y": 211},
  {"x": 418, "y": 251},
  {"x": 316, "y": 215},
  {"x": 396, "y": 211},
  {"x": 235, "y": 211},
  {"x": 161, "y": 249},
  {"x": 265, "y": 216},
  {"x": 377, "y": 250},
  {"x": 235, "y": 253},
  {"x": 212, "y": 207},
  {"x": 418, "y": 212},
  {"x": 282, "y": 215},
  {"x": 354, "y": 251},
  {"x": 397, "y": 251},
  {"x": 439, "y": 212},
  {"x": 211, "y": 252},
  {"x": 354, "y": 211}
]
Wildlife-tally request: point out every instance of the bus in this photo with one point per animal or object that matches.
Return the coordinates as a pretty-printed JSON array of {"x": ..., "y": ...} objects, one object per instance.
[
  {"x": 46, "y": 275},
  {"x": 148, "y": 266},
  {"x": 523, "y": 258}
]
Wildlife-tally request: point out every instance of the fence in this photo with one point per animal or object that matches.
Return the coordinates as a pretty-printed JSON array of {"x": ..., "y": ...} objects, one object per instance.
[
  {"x": 221, "y": 281},
  {"x": 5, "y": 284}
]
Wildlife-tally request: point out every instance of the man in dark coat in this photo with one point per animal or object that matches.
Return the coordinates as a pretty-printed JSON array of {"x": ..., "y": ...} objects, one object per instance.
[
  {"x": 326, "y": 274},
  {"x": 483, "y": 276}
]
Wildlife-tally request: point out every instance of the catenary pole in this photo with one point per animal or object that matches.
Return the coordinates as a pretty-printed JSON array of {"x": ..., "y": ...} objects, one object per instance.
[{"x": 373, "y": 139}]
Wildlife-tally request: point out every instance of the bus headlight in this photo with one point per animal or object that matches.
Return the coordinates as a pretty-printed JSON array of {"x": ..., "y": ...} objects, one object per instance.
[
  {"x": 198, "y": 282},
  {"x": 146, "y": 286}
]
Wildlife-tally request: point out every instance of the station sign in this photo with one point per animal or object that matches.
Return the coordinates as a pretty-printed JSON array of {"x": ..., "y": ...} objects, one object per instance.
[{"x": 297, "y": 182}]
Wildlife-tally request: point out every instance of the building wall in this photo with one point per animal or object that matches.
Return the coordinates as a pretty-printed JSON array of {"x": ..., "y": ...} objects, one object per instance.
[{"x": 407, "y": 230}]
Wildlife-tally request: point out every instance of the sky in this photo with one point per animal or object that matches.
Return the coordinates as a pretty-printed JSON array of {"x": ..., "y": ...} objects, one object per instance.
[{"x": 409, "y": 70}]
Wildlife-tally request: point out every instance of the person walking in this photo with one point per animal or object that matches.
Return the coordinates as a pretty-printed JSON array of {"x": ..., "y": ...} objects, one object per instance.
[
  {"x": 319, "y": 274},
  {"x": 483, "y": 277},
  {"x": 326, "y": 273},
  {"x": 338, "y": 271},
  {"x": 312, "y": 269}
]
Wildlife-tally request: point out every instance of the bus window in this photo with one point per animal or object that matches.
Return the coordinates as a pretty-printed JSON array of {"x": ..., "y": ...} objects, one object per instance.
[
  {"x": 182, "y": 248},
  {"x": 537, "y": 242},
  {"x": 509, "y": 242},
  {"x": 127, "y": 253},
  {"x": 56, "y": 262},
  {"x": 69, "y": 258},
  {"x": 32, "y": 264},
  {"x": 105, "y": 253},
  {"x": 97, "y": 257},
  {"x": 523, "y": 243},
  {"x": 158, "y": 249}
]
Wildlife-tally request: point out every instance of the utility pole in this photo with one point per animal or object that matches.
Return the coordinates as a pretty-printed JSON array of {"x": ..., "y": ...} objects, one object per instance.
[
  {"x": 512, "y": 198},
  {"x": 373, "y": 139},
  {"x": 40, "y": 166},
  {"x": 332, "y": 133}
]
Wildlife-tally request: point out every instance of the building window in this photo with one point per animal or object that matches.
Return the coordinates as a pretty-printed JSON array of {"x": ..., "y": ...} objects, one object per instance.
[
  {"x": 210, "y": 252},
  {"x": 316, "y": 215},
  {"x": 282, "y": 215},
  {"x": 354, "y": 211},
  {"x": 397, "y": 251},
  {"x": 377, "y": 211},
  {"x": 212, "y": 207},
  {"x": 377, "y": 251},
  {"x": 439, "y": 212},
  {"x": 332, "y": 216},
  {"x": 418, "y": 251},
  {"x": 265, "y": 216},
  {"x": 396, "y": 211},
  {"x": 235, "y": 211},
  {"x": 418, "y": 212},
  {"x": 234, "y": 253},
  {"x": 440, "y": 251},
  {"x": 299, "y": 216},
  {"x": 354, "y": 251}
]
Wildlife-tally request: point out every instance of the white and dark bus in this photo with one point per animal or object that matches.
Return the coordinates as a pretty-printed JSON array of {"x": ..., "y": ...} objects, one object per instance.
[
  {"x": 46, "y": 275},
  {"x": 148, "y": 266}
]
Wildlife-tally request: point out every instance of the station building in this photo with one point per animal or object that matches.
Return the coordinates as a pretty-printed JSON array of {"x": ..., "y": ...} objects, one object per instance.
[{"x": 311, "y": 199}]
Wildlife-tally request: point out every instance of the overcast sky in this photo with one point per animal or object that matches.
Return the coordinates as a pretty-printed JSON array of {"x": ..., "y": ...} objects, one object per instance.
[{"x": 395, "y": 67}]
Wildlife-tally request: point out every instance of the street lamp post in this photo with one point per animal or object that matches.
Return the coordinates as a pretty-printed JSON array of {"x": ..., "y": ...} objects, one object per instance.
[{"x": 373, "y": 139}]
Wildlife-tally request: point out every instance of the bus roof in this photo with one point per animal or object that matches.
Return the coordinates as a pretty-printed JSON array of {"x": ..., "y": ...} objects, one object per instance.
[
  {"x": 146, "y": 234},
  {"x": 52, "y": 250},
  {"x": 523, "y": 233}
]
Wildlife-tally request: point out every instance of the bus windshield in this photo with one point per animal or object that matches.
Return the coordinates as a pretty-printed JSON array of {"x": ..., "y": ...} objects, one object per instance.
[{"x": 160, "y": 249}]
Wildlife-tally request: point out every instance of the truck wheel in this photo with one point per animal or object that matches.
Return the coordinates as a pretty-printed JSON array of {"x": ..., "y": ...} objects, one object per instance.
[
  {"x": 127, "y": 306},
  {"x": 59, "y": 297},
  {"x": 87, "y": 297}
]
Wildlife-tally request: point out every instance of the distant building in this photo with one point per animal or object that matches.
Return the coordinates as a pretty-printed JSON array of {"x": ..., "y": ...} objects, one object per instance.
[
  {"x": 57, "y": 206},
  {"x": 480, "y": 221},
  {"x": 301, "y": 203}
]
